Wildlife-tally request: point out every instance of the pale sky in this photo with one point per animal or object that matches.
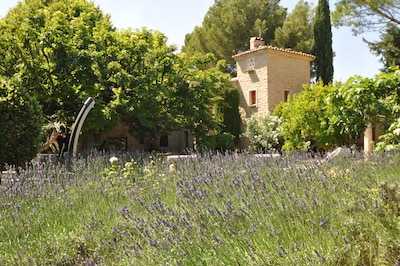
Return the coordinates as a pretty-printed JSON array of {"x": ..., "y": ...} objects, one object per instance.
[{"x": 176, "y": 18}]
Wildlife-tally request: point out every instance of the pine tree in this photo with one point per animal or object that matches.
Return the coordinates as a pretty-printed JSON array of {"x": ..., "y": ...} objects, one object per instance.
[
  {"x": 323, "y": 43},
  {"x": 229, "y": 24}
]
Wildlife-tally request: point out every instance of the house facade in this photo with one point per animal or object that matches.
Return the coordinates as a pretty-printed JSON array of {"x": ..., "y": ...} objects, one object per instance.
[
  {"x": 268, "y": 75},
  {"x": 119, "y": 139}
]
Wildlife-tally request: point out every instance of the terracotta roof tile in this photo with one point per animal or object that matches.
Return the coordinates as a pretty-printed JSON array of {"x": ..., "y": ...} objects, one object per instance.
[{"x": 276, "y": 49}]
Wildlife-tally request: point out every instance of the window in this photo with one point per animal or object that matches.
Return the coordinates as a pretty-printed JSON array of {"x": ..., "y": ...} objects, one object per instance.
[
  {"x": 164, "y": 141},
  {"x": 252, "y": 98},
  {"x": 186, "y": 139},
  {"x": 251, "y": 65},
  {"x": 285, "y": 95}
]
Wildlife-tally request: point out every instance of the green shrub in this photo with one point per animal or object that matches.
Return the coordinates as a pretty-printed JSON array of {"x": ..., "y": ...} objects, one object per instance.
[
  {"x": 391, "y": 139},
  {"x": 227, "y": 113},
  {"x": 264, "y": 132},
  {"x": 219, "y": 142},
  {"x": 21, "y": 123},
  {"x": 231, "y": 113},
  {"x": 306, "y": 119}
]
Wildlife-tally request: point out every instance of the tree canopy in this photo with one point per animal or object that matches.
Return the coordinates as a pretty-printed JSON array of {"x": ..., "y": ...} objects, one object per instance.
[
  {"x": 366, "y": 15},
  {"x": 164, "y": 90},
  {"x": 229, "y": 24},
  {"x": 61, "y": 51},
  {"x": 373, "y": 15},
  {"x": 325, "y": 116},
  {"x": 388, "y": 47},
  {"x": 297, "y": 30},
  {"x": 66, "y": 51}
]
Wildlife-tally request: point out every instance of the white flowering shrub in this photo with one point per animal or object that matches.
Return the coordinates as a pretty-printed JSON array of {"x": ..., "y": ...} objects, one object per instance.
[{"x": 264, "y": 132}]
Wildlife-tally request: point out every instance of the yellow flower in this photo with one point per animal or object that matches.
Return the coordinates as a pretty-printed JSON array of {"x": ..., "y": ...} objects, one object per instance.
[
  {"x": 333, "y": 174},
  {"x": 172, "y": 167}
]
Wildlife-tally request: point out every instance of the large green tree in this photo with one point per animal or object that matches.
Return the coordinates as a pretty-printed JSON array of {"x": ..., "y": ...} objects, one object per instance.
[
  {"x": 297, "y": 31},
  {"x": 323, "y": 43},
  {"x": 373, "y": 15},
  {"x": 157, "y": 90},
  {"x": 388, "y": 48},
  {"x": 60, "y": 49},
  {"x": 66, "y": 51},
  {"x": 141, "y": 80},
  {"x": 229, "y": 24},
  {"x": 366, "y": 15}
]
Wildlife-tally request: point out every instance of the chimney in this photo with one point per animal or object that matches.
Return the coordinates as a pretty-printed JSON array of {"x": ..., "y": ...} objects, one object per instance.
[{"x": 256, "y": 42}]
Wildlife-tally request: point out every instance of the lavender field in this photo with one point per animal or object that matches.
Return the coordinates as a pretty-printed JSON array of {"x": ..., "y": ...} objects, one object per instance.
[{"x": 210, "y": 210}]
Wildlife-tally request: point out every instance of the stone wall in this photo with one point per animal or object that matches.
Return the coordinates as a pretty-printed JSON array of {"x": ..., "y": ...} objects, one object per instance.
[
  {"x": 286, "y": 73},
  {"x": 119, "y": 139},
  {"x": 255, "y": 79}
]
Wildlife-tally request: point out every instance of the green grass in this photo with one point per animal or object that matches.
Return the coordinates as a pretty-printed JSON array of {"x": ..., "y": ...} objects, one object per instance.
[{"x": 212, "y": 210}]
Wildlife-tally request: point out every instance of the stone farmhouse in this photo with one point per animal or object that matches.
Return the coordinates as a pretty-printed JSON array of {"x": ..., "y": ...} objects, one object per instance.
[{"x": 266, "y": 75}]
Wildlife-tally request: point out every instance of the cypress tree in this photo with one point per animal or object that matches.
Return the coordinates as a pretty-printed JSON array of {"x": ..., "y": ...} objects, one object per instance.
[{"x": 323, "y": 43}]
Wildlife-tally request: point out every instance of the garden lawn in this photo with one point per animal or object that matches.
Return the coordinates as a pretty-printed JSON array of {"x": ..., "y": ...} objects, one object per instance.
[{"x": 211, "y": 210}]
